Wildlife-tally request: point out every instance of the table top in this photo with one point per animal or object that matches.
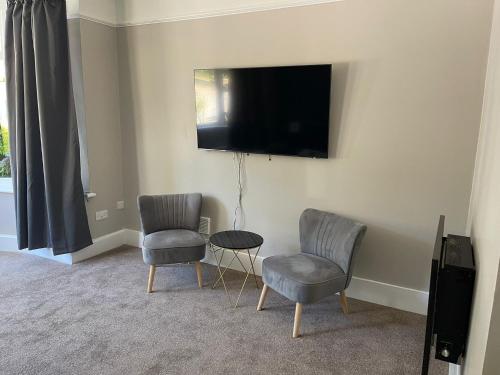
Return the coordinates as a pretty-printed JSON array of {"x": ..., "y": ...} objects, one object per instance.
[{"x": 236, "y": 239}]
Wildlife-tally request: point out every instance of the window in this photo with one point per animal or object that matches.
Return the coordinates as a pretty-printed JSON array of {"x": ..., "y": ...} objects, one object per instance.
[
  {"x": 5, "y": 170},
  {"x": 4, "y": 129},
  {"x": 4, "y": 148},
  {"x": 212, "y": 97}
]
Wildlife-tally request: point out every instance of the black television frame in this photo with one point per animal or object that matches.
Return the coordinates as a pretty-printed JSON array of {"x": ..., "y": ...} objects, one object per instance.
[
  {"x": 431, "y": 306},
  {"x": 453, "y": 274},
  {"x": 324, "y": 155}
]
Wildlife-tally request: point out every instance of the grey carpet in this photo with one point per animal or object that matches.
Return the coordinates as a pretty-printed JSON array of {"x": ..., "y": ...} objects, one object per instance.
[{"x": 95, "y": 318}]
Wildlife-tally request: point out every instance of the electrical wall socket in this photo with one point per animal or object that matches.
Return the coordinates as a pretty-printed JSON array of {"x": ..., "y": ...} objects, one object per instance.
[
  {"x": 120, "y": 205},
  {"x": 101, "y": 215}
]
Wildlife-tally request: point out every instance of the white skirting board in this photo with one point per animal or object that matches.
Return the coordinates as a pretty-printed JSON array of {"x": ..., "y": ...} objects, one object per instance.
[
  {"x": 101, "y": 245},
  {"x": 8, "y": 242},
  {"x": 367, "y": 290}
]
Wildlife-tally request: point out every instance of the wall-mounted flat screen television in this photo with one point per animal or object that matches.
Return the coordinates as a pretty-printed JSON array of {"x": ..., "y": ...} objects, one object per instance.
[{"x": 271, "y": 110}]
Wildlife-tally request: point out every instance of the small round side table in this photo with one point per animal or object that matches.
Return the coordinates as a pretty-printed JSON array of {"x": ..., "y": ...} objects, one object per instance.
[{"x": 237, "y": 241}]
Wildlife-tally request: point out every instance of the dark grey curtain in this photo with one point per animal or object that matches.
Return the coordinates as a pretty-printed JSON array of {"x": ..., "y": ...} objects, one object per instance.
[{"x": 50, "y": 206}]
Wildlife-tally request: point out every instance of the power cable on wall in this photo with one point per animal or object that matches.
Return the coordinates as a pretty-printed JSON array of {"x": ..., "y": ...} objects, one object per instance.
[{"x": 239, "y": 159}]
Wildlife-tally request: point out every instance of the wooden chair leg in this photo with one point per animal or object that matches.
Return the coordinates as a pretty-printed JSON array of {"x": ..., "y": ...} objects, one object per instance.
[
  {"x": 197, "y": 265},
  {"x": 263, "y": 296},
  {"x": 151, "y": 278},
  {"x": 343, "y": 303},
  {"x": 296, "y": 322}
]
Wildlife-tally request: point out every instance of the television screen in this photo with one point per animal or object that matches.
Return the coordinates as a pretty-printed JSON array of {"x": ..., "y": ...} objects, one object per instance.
[{"x": 274, "y": 110}]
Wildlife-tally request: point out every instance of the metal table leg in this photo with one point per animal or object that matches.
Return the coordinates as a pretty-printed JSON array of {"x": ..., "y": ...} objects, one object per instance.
[
  {"x": 221, "y": 272},
  {"x": 219, "y": 262},
  {"x": 251, "y": 268}
]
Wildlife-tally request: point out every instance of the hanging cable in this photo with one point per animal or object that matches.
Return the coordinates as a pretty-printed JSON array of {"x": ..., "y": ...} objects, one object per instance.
[{"x": 239, "y": 158}]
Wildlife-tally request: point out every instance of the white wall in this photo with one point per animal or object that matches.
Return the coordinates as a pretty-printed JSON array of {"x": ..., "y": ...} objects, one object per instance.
[
  {"x": 103, "y": 126},
  {"x": 73, "y": 8},
  {"x": 484, "y": 216},
  {"x": 7, "y": 214},
  {"x": 407, "y": 96},
  {"x": 103, "y": 11}
]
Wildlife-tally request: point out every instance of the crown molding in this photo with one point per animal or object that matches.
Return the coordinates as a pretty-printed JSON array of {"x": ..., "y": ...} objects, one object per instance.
[
  {"x": 186, "y": 14},
  {"x": 91, "y": 19}
]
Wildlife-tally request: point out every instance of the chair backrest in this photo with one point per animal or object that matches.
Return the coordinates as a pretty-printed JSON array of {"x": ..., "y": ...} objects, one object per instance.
[
  {"x": 174, "y": 211},
  {"x": 331, "y": 236}
]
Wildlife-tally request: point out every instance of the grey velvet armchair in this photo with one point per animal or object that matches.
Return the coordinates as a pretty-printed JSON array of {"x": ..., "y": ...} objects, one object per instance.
[
  {"x": 323, "y": 267},
  {"x": 170, "y": 227}
]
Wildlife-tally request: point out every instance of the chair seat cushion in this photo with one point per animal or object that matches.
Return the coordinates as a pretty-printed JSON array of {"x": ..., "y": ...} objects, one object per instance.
[
  {"x": 173, "y": 246},
  {"x": 303, "y": 278}
]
